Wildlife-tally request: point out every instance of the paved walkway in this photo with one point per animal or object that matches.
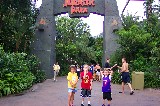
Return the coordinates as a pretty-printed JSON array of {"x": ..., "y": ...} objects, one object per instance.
[{"x": 52, "y": 93}]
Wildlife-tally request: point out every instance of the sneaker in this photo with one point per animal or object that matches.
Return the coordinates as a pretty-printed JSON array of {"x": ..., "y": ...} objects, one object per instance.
[
  {"x": 89, "y": 104},
  {"x": 82, "y": 104},
  {"x": 132, "y": 93},
  {"x": 103, "y": 105}
]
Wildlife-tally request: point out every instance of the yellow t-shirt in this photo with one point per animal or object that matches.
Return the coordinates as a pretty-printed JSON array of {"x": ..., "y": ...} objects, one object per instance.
[{"x": 72, "y": 77}]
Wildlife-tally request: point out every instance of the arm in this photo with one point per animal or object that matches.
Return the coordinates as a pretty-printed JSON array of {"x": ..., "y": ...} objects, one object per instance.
[
  {"x": 84, "y": 76},
  {"x": 119, "y": 67},
  {"x": 113, "y": 66},
  {"x": 101, "y": 73},
  {"x": 76, "y": 80},
  {"x": 69, "y": 79},
  {"x": 111, "y": 72}
]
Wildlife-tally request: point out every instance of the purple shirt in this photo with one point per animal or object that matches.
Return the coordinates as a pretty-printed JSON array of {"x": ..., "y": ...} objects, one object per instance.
[{"x": 106, "y": 87}]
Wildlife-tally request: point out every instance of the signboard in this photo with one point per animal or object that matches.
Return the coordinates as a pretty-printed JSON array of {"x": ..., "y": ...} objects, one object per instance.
[{"x": 79, "y": 6}]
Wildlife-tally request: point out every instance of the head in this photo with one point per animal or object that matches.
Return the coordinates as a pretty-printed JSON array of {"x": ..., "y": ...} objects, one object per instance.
[
  {"x": 107, "y": 60},
  {"x": 57, "y": 63},
  {"x": 106, "y": 72},
  {"x": 86, "y": 67},
  {"x": 123, "y": 60},
  {"x": 72, "y": 68}
]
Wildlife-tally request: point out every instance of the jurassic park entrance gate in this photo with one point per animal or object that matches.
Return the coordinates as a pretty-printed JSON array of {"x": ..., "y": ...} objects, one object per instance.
[{"x": 43, "y": 45}]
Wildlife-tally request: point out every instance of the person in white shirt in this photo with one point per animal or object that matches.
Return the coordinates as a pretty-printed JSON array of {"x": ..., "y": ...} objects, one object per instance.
[{"x": 56, "y": 69}]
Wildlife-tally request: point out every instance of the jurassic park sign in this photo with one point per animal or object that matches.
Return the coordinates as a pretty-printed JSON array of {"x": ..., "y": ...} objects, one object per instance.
[{"x": 79, "y": 6}]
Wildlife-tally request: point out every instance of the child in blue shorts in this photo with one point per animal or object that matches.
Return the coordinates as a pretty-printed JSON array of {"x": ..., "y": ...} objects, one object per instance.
[{"x": 72, "y": 82}]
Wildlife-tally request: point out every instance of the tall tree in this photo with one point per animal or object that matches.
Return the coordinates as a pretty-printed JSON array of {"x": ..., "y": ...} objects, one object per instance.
[
  {"x": 16, "y": 18},
  {"x": 72, "y": 42}
]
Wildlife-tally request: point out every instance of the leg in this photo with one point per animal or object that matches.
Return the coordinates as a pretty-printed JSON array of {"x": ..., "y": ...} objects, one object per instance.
[
  {"x": 69, "y": 98},
  {"x": 109, "y": 102},
  {"x": 72, "y": 98},
  {"x": 122, "y": 87},
  {"x": 83, "y": 94},
  {"x": 99, "y": 77},
  {"x": 89, "y": 101},
  {"x": 130, "y": 86},
  {"x": 104, "y": 102},
  {"x": 82, "y": 101},
  {"x": 57, "y": 73},
  {"x": 104, "y": 99},
  {"x": 54, "y": 75},
  {"x": 89, "y": 95}
]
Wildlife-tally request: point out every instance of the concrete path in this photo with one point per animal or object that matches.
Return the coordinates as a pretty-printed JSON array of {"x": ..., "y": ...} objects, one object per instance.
[{"x": 52, "y": 93}]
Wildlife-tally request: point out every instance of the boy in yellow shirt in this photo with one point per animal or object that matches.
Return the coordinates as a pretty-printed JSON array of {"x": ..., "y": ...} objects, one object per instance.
[{"x": 72, "y": 82}]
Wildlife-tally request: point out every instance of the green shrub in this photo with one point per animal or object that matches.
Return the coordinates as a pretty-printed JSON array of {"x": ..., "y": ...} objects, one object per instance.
[
  {"x": 64, "y": 69},
  {"x": 151, "y": 80},
  {"x": 16, "y": 82},
  {"x": 18, "y": 72},
  {"x": 116, "y": 78},
  {"x": 40, "y": 76},
  {"x": 34, "y": 64}
]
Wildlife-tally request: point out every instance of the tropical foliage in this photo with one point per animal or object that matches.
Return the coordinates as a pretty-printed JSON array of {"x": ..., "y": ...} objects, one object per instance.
[
  {"x": 17, "y": 73},
  {"x": 18, "y": 70},
  {"x": 17, "y": 17},
  {"x": 140, "y": 43}
]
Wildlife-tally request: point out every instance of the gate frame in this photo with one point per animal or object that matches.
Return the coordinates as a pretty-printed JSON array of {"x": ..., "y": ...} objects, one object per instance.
[{"x": 43, "y": 45}]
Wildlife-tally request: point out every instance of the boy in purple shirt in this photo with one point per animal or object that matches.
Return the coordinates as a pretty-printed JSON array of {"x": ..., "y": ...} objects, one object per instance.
[{"x": 106, "y": 87}]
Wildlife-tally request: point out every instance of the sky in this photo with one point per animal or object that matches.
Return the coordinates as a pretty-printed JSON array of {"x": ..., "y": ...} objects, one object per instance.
[{"x": 134, "y": 7}]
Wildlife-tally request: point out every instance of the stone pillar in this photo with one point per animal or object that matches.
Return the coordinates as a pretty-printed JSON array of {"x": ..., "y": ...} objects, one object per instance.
[
  {"x": 43, "y": 45},
  {"x": 112, "y": 22}
]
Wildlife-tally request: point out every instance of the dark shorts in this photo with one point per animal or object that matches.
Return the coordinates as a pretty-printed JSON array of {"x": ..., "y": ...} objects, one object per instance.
[
  {"x": 125, "y": 77},
  {"x": 85, "y": 93},
  {"x": 98, "y": 70},
  {"x": 107, "y": 95}
]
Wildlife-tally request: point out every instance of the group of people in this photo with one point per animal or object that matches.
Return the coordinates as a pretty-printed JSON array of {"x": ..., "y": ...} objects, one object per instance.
[{"x": 86, "y": 77}]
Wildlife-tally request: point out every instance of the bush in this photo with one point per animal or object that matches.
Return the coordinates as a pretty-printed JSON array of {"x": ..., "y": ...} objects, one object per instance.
[
  {"x": 116, "y": 79},
  {"x": 16, "y": 82},
  {"x": 33, "y": 64},
  {"x": 40, "y": 76},
  {"x": 18, "y": 72},
  {"x": 151, "y": 80}
]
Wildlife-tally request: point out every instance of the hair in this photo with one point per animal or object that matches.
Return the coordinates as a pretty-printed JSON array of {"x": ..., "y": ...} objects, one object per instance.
[
  {"x": 72, "y": 66},
  {"x": 107, "y": 58},
  {"x": 105, "y": 69},
  {"x": 124, "y": 58},
  {"x": 86, "y": 65}
]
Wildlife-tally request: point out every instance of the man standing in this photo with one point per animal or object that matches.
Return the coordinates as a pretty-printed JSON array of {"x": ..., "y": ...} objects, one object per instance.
[
  {"x": 125, "y": 75},
  {"x": 56, "y": 69},
  {"x": 107, "y": 65}
]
